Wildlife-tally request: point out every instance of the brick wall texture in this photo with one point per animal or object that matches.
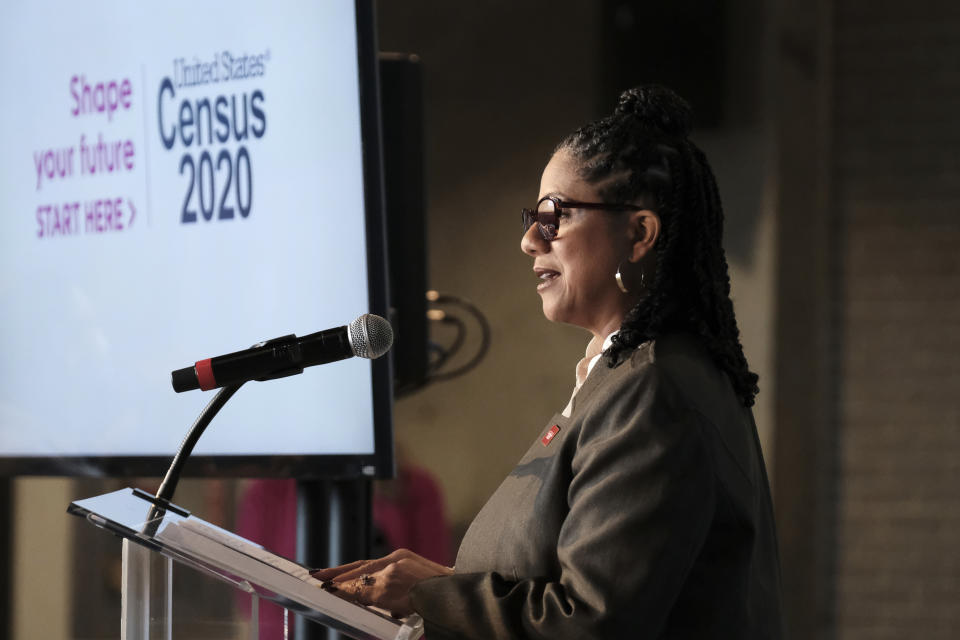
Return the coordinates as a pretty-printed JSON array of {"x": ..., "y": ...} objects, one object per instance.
[{"x": 896, "y": 117}]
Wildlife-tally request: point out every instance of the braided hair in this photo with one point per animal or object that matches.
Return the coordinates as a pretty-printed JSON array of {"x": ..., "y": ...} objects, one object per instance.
[{"x": 641, "y": 154}]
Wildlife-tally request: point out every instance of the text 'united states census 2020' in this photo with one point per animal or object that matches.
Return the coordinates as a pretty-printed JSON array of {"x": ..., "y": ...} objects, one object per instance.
[{"x": 214, "y": 130}]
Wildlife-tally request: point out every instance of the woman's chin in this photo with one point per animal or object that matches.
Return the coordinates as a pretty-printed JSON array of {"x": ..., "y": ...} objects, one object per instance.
[
  {"x": 554, "y": 313},
  {"x": 558, "y": 309},
  {"x": 548, "y": 311}
]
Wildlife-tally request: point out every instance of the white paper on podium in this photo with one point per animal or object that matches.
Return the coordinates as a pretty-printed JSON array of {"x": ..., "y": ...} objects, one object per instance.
[{"x": 252, "y": 562}]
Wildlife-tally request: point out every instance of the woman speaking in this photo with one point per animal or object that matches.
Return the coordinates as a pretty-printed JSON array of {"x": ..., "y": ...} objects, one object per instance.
[{"x": 642, "y": 509}]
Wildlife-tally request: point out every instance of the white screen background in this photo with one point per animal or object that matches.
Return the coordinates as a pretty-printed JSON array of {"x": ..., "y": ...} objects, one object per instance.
[{"x": 93, "y": 323}]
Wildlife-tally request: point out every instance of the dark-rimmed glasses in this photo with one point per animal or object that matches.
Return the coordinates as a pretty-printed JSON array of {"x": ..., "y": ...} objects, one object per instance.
[{"x": 550, "y": 208}]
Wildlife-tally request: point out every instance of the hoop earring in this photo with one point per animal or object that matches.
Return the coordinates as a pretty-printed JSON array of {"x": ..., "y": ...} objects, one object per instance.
[{"x": 619, "y": 278}]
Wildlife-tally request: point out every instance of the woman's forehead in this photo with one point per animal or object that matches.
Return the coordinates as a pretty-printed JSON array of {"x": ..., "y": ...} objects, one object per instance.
[{"x": 561, "y": 177}]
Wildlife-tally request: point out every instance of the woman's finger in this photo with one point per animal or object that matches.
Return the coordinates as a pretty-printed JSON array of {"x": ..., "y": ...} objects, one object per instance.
[
  {"x": 385, "y": 582},
  {"x": 349, "y": 590},
  {"x": 365, "y": 590},
  {"x": 332, "y": 572},
  {"x": 365, "y": 568},
  {"x": 354, "y": 570}
]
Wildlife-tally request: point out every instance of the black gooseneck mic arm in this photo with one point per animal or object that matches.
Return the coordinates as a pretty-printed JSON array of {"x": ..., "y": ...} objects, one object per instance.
[{"x": 169, "y": 484}]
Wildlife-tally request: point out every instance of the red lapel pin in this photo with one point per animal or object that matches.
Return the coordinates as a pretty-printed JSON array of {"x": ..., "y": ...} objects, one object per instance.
[{"x": 554, "y": 430}]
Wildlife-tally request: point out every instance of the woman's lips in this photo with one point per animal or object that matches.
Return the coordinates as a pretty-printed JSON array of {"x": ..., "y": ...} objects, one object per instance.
[{"x": 547, "y": 276}]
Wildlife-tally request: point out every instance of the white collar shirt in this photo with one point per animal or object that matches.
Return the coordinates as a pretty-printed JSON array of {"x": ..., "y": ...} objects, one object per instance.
[{"x": 590, "y": 358}]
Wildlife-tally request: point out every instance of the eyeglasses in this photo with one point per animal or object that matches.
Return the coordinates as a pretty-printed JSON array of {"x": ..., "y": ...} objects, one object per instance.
[{"x": 550, "y": 208}]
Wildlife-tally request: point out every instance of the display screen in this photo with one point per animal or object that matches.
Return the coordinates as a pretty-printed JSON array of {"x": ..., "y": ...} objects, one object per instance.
[{"x": 181, "y": 181}]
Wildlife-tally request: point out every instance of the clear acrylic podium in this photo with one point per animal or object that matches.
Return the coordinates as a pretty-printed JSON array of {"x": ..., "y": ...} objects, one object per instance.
[{"x": 157, "y": 535}]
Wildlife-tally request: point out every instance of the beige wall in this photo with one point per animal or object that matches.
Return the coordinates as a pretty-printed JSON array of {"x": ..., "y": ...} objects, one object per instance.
[
  {"x": 41, "y": 558},
  {"x": 897, "y": 199}
]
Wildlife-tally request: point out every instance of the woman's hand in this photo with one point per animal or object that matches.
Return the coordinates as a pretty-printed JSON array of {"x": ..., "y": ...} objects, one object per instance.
[{"x": 384, "y": 582}]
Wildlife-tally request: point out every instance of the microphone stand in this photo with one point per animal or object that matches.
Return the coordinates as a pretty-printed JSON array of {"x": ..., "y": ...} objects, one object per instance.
[
  {"x": 165, "y": 493},
  {"x": 169, "y": 484}
]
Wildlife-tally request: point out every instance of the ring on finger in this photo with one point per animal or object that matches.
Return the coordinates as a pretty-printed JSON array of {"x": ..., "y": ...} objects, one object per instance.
[{"x": 361, "y": 583}]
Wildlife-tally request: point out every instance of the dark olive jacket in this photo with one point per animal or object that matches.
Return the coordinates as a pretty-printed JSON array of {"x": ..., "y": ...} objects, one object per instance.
[{"x": 646, "y": 515}]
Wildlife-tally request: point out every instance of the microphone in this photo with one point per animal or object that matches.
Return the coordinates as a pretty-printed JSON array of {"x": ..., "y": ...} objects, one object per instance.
[{"x": 369, "y": 336}]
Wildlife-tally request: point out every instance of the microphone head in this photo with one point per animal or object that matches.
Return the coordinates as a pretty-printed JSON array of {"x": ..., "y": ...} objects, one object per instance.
[{"x": 370, "y": 336}]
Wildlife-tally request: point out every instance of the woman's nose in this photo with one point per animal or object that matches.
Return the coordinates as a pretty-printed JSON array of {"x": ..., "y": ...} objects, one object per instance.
[{"x": 532, "y": 243}]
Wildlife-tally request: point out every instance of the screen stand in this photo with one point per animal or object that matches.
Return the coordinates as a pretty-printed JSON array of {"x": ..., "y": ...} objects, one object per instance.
[
  {"x": 146, "y": 594},
  {"x": 333, "y": 528}
]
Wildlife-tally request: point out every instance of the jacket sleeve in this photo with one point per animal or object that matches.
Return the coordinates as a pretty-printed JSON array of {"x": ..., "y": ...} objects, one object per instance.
[{"x": 641, "y": 500}]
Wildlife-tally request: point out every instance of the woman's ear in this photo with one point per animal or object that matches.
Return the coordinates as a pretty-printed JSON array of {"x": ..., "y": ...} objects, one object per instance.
[{"x": 644, "y": 230}]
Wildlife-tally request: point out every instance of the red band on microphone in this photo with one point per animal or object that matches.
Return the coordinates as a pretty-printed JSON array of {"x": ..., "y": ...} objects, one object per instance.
[{"x": 205, "y": 375}]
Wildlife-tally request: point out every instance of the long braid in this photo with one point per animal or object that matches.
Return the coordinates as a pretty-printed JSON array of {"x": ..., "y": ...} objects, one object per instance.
[
  {"x": 641, "y": 154},
  {"x": 728, "y": 330}
]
